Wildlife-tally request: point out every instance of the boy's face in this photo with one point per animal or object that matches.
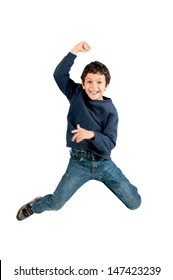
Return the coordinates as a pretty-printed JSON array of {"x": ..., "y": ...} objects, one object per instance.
[{"x": 95, "y": 85}]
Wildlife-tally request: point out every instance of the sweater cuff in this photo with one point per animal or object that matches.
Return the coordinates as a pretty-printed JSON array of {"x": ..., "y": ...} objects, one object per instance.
[{"x": 71, "y": 55}]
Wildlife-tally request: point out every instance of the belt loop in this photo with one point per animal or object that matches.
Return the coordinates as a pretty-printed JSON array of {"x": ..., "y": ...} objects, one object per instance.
[
  {"x": 93, "y": 157},
  {"x": 81, "y": 155}
]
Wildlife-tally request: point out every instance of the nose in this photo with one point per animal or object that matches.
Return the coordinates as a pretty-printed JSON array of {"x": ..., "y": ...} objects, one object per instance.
[{"x": 94, "y": 85}]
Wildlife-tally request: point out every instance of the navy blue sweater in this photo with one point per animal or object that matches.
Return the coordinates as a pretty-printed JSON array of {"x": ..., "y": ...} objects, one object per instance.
[{"x": 99, "y": 116}]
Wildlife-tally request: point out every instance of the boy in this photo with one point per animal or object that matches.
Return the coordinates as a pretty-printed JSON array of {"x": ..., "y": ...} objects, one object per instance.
[{"x": 91, "y": 134}]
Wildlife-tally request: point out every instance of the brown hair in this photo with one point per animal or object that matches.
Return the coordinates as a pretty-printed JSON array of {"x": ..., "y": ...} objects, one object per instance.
[{"x": 96, "y": 67}]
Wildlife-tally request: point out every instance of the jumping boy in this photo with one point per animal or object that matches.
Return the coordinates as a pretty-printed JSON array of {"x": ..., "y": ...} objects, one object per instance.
[{"x": 91, "y": 135}]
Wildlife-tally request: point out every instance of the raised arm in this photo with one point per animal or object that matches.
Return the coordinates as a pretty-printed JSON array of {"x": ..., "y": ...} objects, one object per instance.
[{"x": 61, "y": 73}]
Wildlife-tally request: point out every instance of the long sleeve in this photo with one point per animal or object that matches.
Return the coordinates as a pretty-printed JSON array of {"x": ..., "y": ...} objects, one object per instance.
[
  {"x": 106, "y": 140},
  {"x": 62, "y": 76}
]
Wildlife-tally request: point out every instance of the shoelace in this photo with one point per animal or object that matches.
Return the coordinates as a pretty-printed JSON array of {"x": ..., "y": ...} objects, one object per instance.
[{"x": 27, "y": 211}]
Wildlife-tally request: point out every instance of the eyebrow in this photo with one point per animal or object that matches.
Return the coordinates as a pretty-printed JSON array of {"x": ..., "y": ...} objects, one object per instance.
[{"x": 96, "y": 79}]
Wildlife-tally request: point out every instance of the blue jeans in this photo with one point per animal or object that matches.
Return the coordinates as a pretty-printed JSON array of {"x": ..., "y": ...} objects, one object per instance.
[{"x": 84, "y": 166}]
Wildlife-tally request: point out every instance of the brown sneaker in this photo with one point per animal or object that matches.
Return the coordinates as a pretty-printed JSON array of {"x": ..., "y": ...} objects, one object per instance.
[{"x": 26, "y": 210}]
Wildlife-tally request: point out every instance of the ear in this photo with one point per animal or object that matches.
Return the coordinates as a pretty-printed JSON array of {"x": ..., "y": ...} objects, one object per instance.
[
  {"x": 106, "y": 86},
  {"x": 83, "y": 86}
]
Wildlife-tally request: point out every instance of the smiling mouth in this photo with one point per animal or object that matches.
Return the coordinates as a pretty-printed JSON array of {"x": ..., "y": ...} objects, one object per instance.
[{"x": 94, "y": 92}]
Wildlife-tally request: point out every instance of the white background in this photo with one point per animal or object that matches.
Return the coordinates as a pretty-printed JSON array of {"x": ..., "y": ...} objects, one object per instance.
[{"x": 94, "y": 229}]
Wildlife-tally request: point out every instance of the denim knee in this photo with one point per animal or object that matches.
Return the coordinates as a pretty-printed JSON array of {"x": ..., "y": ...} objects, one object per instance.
[{"x": 136, "y": 204}]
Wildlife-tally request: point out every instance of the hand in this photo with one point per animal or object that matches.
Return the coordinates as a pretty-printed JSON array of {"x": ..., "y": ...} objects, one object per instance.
[
  {"x": 81, "y": 47},
  {"x": 81, "y": 134}
]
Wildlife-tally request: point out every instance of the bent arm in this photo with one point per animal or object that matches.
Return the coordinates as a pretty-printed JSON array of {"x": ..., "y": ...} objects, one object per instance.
[
  {"x": 62, "y": 71},
  {"x": 103, "y": 141},
  {"x": 106, "y": 140}
]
